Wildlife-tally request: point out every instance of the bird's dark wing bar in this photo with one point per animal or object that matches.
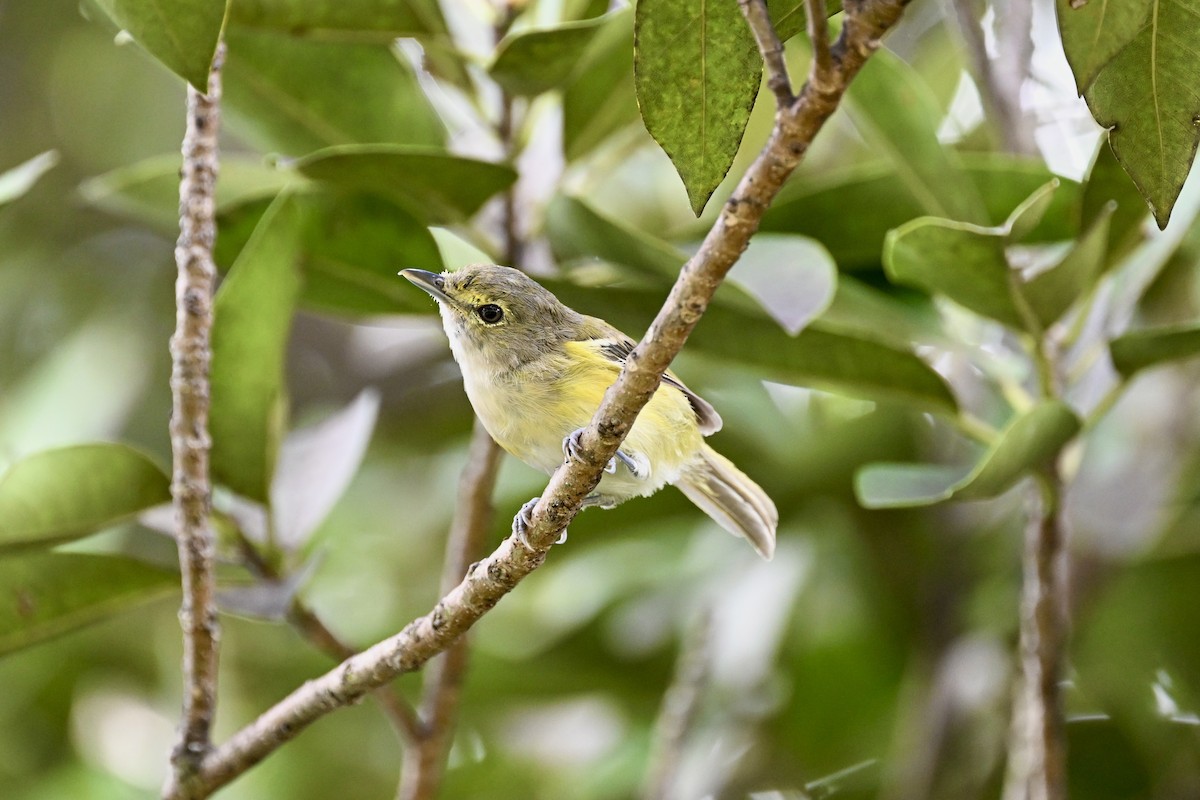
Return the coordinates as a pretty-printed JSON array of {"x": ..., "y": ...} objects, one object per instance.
[{"x": 707, "y": 418}]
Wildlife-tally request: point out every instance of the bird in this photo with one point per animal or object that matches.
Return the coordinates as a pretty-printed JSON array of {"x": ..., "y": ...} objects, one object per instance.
[{"x": 535, "y": 372}]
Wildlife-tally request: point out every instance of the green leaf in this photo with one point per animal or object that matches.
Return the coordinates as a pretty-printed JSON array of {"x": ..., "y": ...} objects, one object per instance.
[
  {"x": 1142, "y": 349},
  {"x": 1141, "y": 635},
  {"x": 969, "y": 265},
  {"x": 599, "y": 99},
  {"x": 362, "y": 21},
  {"x": 697, "y": 72},
  {"x": 149, "y": 190},
  {"x": 819, "y": 356},
  {"x": 73, "y": 491},
  {"x": 1028, "y": 442},
  {"x": 329, "y": 18},
  {"x": 1052, "y": 292},
  {"x": 1094, "y": 32},
  {"x": 577, "y": 230},
  {"x": 297, "y": 96},
  {"x": 1028, "y": 215},
  {"x": 354, "y": 244},
  {"x": 899, "y": 318},
  {"x": 788, "y": 17},
  {"x": 817, "y": 207},
  {"x": 183, "y": 35},
  {"x": 824, "y": 358},
  {"x": 48, "y": 594},
  {"x": 793, "y": 278},
  {"x": 963, "y": 262},
  {"x": 435, "y": 186},
  {"x": 906, "y": 485},
  {"x": 1105, "y": 760},
  {"x": 21, "y": 178},
  {"x": 898, "y": 116},
  {"x": 253, "y": 313},
  {"x": 1148, "y": 98},
  {"x": 1107, "y": 184},
  {"x": 530, "y": 62},
  {"x": 316, "y": 464}
]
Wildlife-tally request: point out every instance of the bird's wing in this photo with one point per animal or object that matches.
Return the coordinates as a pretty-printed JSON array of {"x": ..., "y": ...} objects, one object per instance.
[{"x": 616, "y": 347}]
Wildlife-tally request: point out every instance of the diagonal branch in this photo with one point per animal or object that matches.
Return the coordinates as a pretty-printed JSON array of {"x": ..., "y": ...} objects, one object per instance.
[
  {"x": 191, "y": 488},
  {"x": 489, "y": 580}
]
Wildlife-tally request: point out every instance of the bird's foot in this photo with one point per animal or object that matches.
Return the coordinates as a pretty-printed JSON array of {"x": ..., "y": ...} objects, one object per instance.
[
  {"x": 524, "y": 520},
  {"x": 571, "y": 447}
]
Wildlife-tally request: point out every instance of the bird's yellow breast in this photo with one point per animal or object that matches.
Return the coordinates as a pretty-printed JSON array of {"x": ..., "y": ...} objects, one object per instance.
[{"x": 530, "y": 410}]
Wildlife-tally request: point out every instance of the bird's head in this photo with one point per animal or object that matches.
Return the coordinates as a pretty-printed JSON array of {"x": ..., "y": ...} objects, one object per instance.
[{"x": 497, "y": 313}]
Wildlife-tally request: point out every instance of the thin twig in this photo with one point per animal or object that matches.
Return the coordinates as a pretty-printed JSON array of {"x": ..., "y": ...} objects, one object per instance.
[
  {"x": 1000, "y": 81},
  {"x": 513, "y": 244},
  {"x": 191, "y": 488},
  {"x": 821, "y": 69},
  {"x": 309, "y": 625},
  {"x": 1037, "y": 750},
  {"x": 489, "y": 580},
  {"x": 771, "y": 49},
  {"x": 425, "y": 762},
  {"x": 402, "y": 715},
  {"x": 680, "y": 707}
]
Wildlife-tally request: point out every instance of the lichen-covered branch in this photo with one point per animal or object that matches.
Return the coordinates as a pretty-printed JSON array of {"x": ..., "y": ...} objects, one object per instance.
[
  {"x": 191, "y": 489},
  {"x": 1037, "y": 749},
  {"x": 425, "y": 759},
  {"x": 490, "y": 579}
]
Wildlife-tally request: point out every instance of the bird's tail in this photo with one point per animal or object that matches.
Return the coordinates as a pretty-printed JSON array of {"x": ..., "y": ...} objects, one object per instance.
[{"x": 736, "y": 503}]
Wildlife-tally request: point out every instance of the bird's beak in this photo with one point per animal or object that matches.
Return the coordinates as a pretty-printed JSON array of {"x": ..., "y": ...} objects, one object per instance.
[{"x": 429, "y": 281}]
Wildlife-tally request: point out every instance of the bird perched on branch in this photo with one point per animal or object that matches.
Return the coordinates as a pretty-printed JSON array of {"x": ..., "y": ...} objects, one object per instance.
[{"x": 536, "y": 371}]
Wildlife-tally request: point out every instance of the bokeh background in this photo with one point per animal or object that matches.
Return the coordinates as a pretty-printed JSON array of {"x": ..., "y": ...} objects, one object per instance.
[{"x": 872, "y": 658}]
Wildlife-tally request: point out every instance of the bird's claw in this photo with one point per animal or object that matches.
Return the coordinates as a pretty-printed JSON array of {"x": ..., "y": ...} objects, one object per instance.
[
  {"x": 524, "y": 520},
  {"x": 571, "y": 447}
]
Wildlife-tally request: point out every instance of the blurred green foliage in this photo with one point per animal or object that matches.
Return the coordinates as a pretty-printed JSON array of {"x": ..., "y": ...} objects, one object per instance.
[{"x": 872, "y": 658}]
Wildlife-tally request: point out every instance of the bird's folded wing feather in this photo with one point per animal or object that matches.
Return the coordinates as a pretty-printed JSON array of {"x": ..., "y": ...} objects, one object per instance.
[{"x": 616, "y": 347}]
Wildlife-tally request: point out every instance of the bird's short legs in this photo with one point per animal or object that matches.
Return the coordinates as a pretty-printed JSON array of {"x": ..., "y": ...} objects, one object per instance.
[{"x": 571, "y": 446}]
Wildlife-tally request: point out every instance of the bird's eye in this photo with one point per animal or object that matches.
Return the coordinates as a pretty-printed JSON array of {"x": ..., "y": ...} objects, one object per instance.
[{"x": 491, "y": 313}]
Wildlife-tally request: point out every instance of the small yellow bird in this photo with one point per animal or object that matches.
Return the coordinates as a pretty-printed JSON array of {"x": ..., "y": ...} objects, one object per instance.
[{"x": 536, "y": 371}]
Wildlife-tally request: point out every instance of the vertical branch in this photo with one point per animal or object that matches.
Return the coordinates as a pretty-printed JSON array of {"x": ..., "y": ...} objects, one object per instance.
[
  {"x": 191, "y": 353},
  {"x": 818, "y": 34},
  {"x": 1037, "y": 749},
  {"x": 513, "y": 245},
  {"x": 1000, "y": 81},
  {"x": 424, "y": 763},
  {"x": 680, "y": 706}
]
